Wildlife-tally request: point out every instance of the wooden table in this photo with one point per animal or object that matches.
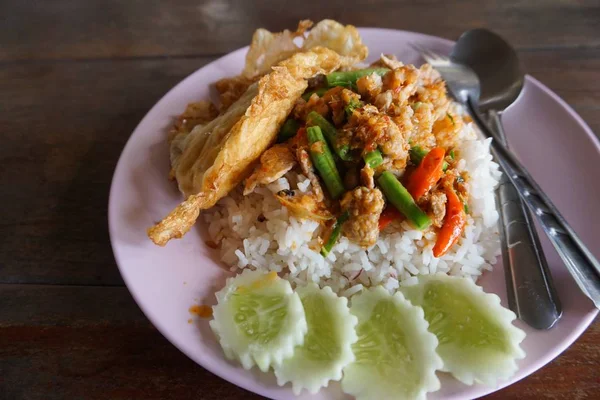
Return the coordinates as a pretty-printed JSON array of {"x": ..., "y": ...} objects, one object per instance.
[{"x": 75, "y": 79}]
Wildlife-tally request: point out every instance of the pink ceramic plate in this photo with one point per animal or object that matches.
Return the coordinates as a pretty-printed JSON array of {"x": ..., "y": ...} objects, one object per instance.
[{"x": 552, "y": 141}]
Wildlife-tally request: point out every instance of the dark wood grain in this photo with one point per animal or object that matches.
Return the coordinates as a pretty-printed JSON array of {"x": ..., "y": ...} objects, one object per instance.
[
  {"x": 63, "y": 127},
  {"x": 75, "y": 79},
  {"x": 92, "y": 343},
  {"x": 572, "y": 73},
  {"x": 71, "y": 342},
  {"x": 70, "y": 29}
]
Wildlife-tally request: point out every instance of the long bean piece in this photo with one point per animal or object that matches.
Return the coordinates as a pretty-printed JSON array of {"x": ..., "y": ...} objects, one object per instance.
[
  {"x": 289, "y": 129},
  {"x": 315, "y": 119},
  {"x": 373, "y": 158},
  {"x": 324, "y": 163},
  {"x": 351, "y": 106},
  {"x": 402, "y": 200},
  {"x": 349, "y": 78},
  {"x": 335, "y": 234}
]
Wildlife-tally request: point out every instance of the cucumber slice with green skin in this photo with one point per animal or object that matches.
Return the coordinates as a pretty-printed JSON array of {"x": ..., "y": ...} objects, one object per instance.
[
  {"x": 327, "y": 347},
  {"x": 258, "y": 319},
  {"x": 395, "y": 353},
  {"x": 478, "y": 342}
]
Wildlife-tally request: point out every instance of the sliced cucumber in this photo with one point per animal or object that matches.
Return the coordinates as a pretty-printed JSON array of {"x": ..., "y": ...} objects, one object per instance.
[
  {"x": 258, "y": 319},
  {"x": 478, "y": 342},
  {"x": 327, "y": 347},
  {"x": 395, "y": 354}
]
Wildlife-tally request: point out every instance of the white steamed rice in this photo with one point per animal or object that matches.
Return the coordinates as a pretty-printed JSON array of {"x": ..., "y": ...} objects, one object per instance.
[{"x": 257, "y": 231}]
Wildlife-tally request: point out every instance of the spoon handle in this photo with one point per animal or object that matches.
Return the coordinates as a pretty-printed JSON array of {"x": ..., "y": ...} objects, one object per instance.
[
  {"x": 580, "y": 262},
  {"x": 531, "y": 293}
]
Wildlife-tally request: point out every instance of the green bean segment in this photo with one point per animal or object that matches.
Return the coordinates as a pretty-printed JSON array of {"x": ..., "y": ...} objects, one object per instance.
[
  {"x": 402, "y": 200},
  {"x": 324, "y": 163}
]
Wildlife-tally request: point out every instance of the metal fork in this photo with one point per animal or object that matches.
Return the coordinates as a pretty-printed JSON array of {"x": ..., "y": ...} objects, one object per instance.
[{"x": 463, "y": 85}]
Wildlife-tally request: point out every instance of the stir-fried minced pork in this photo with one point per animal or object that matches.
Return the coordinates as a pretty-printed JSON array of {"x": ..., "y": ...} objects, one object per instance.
[
  {"x": 396, "y": 167},
  {"x": 332, "y": 104},
  {"x": 335, "y": 103},
  {"x": 364, "y": 207},
  {"x": 387, "y": 61},
  {"x": 383, "y": 101},
  {"x": 403, "y": 120},
  {"x": 428, "y": 75},
  {"x": 368, "y": 129},
  {"x": 326, "y": 105},
  {"x": 402, "y": 82},
  {"x": 437, "y": 201},
  {"x": 434, "y": 93},
  {"x": 274, "y": 163},
  {"x": 367, "y": 176},
  {"x": 338, "y": 99},
  {"x": 304, "y": 205},
  {"x": 446, "y": 130},
  {"x": 462, "y": 185},
  {"x": 422, "y": 122},
  {"x": 314, "y": 103},
  {"x": 449, "y": 178},
  {"x": 369, "y": 86}
]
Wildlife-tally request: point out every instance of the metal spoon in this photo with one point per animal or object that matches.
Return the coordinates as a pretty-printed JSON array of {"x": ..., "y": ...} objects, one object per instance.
[
  {"x": 463, "y": 85},
  {"x": 531, "y": 292}
]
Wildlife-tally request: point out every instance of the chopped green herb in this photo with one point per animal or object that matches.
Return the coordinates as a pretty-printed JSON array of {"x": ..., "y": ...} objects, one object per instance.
[
  {"x": 452, "y": 154},
  {"x": 351, "y": 106},
  {"x": 417, "y": 153},
  {"x": 451, "y": 118}
]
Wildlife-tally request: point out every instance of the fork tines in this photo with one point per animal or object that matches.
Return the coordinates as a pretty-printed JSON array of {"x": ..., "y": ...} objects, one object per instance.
[{"x": 429, "y": 55}]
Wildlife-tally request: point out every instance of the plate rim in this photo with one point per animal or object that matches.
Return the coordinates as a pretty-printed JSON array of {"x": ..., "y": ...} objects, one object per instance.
[{"x": 476, "y": 391}]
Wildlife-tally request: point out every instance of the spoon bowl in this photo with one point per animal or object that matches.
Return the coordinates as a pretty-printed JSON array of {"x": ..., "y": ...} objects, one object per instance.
[{"x": 496, "y": 64}]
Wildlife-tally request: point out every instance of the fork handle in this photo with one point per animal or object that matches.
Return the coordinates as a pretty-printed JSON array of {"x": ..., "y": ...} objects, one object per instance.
[
  {"x": 580, "y": 262},
  {"x": 531, "y": 293}
]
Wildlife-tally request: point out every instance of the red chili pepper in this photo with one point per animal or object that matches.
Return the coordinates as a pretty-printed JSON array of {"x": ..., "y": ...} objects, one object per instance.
[
  {"x": 429, "y": 171},
  {"x": 387, "y": 216},
  {"x": 454, "y": 223}
]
